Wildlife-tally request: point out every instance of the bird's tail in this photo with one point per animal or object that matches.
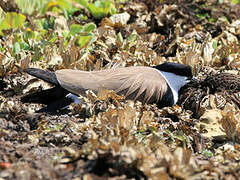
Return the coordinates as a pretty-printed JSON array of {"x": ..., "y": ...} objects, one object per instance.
[
  {"x": 55, "y": 98},
  {"x": 45, "y": 75}
]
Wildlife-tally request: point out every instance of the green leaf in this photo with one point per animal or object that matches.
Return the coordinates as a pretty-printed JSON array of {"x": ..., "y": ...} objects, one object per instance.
[
  {"x": 89, "y": 27},
  {"x": 53, "y": 38},
  {"x": 37, "y": 55},
  {"x": 84, "y": 3},
  {"x": 223, "y": 19},
  {"x": 75, "y": 29},
  {"x": 101, "y": 9},
  {"x": 24, "y": 46},
  {"x": 133, "y": 37},
  {"x": 12, "y": 20},
  {"x": 202, "y": 15},
  {"x": 31, "y": 6},
  {"x": 214, "y": 44},
  {"x": 207, "y": 153},
  {"x": 64, "y": 4},
  {"x": 119, "y": 37},
  {"x": 66, "y": 34},
  {"x": 98, "y": 13},
  {"x": 235, "y": 1},
  {"x": 16, "y": 48},
  {"x": 29, "y": 34},
  {"x": 54, "y": 5},
  {"x": 113, "y": 10},
  {"x": 84, "y": 39},
  {"x": 48, "y": 23},
  {"x": 211, "y": 19}
]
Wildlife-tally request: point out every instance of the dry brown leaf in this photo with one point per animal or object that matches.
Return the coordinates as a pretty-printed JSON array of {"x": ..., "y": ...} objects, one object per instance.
[
  {"x": 230, "y": 122},
  {"x": 147, "y": 118},
  {"x": 105, "y": 94},
  {"x": 182, "y": 165},
  {"x": 127, "y": 117},
  {"x": 210, "y": 124}
]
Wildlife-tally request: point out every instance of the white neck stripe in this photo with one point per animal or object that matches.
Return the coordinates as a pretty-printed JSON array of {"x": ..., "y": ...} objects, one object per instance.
[{"x": 174, "y": 81}]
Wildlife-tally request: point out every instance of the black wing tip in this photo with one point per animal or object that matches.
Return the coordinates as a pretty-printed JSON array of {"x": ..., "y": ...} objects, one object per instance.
[
  {"x": 33, "y": 70},
  {"x": 45, "y": 75},
  {"x": 29, "y": 69}
]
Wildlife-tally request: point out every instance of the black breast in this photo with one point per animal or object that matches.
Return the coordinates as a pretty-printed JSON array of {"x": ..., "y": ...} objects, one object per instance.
[{"x": 167, "y": 99}]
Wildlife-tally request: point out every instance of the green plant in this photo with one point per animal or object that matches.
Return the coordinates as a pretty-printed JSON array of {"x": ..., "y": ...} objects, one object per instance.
[
  {"x": 83, "y": 34},
  {"x": 100, "y": 8},
  {"x": 12, "y": 20}
]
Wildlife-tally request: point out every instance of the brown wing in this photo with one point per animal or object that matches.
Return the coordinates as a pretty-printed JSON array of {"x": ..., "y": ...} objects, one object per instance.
[{"x": 137, "y": 83}]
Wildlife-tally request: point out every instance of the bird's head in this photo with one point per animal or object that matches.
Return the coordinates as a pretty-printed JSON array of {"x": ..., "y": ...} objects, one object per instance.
[{"x": 177, "y": 69}]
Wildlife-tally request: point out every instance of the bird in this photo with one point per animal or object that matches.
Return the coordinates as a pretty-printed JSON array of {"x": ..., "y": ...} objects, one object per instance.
[{"x": 158, "y": 84}]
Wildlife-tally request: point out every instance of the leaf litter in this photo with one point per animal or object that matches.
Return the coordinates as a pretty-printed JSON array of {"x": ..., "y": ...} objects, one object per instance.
[{"x": 108, "y": 137}]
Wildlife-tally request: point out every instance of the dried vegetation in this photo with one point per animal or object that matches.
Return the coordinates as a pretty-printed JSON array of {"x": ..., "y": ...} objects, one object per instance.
[{"x": 108, "y": 137}]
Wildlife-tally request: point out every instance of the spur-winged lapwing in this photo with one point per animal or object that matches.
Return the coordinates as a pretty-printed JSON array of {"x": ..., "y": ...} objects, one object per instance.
[{"x": 159, "y": 84}]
